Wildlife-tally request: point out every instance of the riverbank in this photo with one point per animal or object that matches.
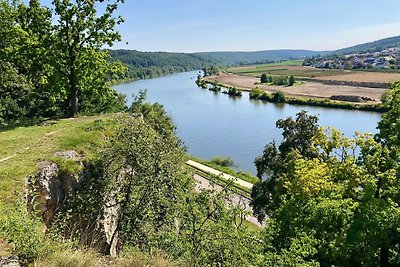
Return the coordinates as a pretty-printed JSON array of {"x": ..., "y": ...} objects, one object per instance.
[{"x": 309, "y": 94}]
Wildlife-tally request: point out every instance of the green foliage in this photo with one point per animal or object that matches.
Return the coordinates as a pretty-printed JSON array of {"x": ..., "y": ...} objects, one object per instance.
[
  {"x": 291, "y": 80},
  {"x": 223, "y": 161},
  {"x": 45, "y": 65},
  {"x": 264, "y": 78},
  {"x": 278, "y": 97},
  {"x": 274, "y": 162},
  {"x": 258, "y": 93},
  {"x": 389, "y": 126},
  {"x": 344, "y": 204},
  {"x": 143, "y": 65},
  {"x": 80, "y": 33},
  {"x": 16, "y": 94},
  {"x": 201, "y": 83},
  {"x": 24, "y": 235},
  {"x": 141, "y": 169},
  {"x": 233, "y": 91}
]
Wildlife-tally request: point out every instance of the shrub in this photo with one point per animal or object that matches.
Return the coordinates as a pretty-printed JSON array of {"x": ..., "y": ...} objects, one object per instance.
[
  {"x": 256, "y": 93},
  {"x": 264, "y": 78},
  {"x": 23, "y": 234},
  {"x": 278, "y": 97},
  {"x": 223, "y": 161},
  {"x": 233, "y": 91},
  {"x": 291, "y": 81}
]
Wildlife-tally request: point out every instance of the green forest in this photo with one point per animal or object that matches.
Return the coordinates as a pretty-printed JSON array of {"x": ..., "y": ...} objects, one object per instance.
[
  {"x": 129, "y": 199},
  {"x": 142, "y": 65}
]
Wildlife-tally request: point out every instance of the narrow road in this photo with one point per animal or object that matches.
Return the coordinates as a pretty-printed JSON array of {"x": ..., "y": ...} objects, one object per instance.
[
  {"x": 222, "y": 175},
  {"x": 236, "y": 199}
]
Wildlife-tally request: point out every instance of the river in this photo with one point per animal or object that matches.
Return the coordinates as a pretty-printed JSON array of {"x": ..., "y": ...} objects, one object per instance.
[{"x": 214, "y": 124}]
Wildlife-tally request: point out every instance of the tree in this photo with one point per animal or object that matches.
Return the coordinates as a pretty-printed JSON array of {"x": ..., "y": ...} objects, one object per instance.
[
  {"x": 79, "y": 35},
  {"x": 343, "y": 202},
  {"x": 264, "y": 78},
  {"x": 278, "y": 97},
  {"x": 389, "y": 126},
  {"x": 291, "y": 80},
  {"x": 272, "y": 165}
]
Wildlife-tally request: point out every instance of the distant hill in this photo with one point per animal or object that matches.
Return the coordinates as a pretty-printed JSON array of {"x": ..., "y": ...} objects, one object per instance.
[
  {"x": 243, "y": 58},
  {"x": 375, "y": 46},
  {"x": 142, "y": 65}
]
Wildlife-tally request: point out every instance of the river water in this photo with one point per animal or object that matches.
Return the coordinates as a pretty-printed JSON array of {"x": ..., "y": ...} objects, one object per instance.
[{"x": 214, "y": 124}]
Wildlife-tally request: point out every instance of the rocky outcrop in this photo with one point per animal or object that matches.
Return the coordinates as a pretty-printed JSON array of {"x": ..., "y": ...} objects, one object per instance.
[
  {"x": 47, "y": 189},
  {"x": 50, "y": 186},
  {"x": 111, "y": 215},
  {"x": 11, "y": 261},
  {"x": 69, "y": 154}
]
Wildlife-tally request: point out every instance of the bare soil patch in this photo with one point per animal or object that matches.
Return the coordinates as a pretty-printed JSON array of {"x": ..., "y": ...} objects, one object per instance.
[{"x": 308, "y": 89}]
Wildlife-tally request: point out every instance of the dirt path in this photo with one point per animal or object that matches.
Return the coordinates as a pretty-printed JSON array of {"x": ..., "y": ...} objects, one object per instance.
[{"x": 308, "y": 89}]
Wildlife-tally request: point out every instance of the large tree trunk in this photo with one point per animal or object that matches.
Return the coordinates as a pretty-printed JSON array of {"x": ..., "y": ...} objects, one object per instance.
[
  {"x": 384, "y": 257},
  {"x": 74, "y": 93}
]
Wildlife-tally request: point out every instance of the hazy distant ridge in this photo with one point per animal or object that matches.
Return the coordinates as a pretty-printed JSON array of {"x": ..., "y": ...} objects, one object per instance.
[{"x": 375, "y": 46}]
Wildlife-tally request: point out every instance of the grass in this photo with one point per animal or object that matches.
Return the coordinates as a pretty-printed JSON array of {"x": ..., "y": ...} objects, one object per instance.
[
  {"x": 248, "y": 177},
  {"x": 305, "y": 72},
  {"x": 90, "y": 258},
  {"x": 20, "y": 149},
  {"x": 283, "y": 69},
  {"x": 24, "y": 146}
]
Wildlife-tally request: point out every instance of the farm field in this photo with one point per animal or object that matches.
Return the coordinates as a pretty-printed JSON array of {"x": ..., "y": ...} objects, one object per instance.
[
  {"x": 294, "y": 68},
  {"x": 308, "y": 89}
]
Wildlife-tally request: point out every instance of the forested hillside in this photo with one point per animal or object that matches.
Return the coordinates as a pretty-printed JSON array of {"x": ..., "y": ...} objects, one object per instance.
[
  {"x": 143, "y": 65},
  {"x": 243, "y": 58}
]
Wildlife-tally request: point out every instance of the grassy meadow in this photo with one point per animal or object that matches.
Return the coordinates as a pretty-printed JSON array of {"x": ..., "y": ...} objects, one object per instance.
[{"x": 288, "y": 68}]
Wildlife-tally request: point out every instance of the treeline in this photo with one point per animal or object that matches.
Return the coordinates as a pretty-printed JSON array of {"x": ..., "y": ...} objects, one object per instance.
[
  {"x": 280, "y": 97},
  {"x": 51, "y": 59},
  {"x": 142, "y": 65},
  {"x": 277, "y": 79}
]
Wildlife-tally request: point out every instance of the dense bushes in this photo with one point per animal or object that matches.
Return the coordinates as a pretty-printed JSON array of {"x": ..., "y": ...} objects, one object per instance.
[{"x": 233, "y": 91}]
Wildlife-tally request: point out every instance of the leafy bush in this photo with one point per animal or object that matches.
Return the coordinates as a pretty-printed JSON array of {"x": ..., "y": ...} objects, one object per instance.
[
  {"x": 264, "y": 78},
  {"x": 278, "y": 97},
  {"x": 256, "y": 93},
  {"x": 223, "y": 161},
  {"x": 291, "y": 81},
  {"x": 233, "y": 91}
]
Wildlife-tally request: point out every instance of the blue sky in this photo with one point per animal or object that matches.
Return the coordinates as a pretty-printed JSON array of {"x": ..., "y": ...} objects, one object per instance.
[{"x": 239, "y": 25}]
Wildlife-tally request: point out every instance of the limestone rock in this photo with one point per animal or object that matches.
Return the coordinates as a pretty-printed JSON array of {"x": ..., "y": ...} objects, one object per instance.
[
  {"x": 47, "y": 190},
  {"x": 11, "y": 261},
  {"x": 69, "y": 154}
]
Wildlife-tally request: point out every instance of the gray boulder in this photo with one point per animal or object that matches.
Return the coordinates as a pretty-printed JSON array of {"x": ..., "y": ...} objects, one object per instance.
[{"x": 47, "y": 190}]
